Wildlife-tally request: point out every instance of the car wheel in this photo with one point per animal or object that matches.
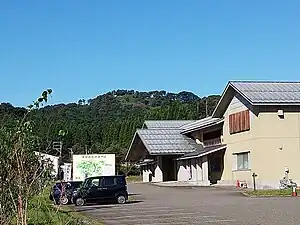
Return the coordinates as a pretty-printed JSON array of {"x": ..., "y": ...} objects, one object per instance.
[
  {"x": 79, "y": 202},
  {"x": 121, "y": 199},
  {"x": 64, "y": 200}
]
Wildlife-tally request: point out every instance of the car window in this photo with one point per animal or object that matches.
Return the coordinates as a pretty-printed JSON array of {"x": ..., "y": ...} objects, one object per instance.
[
  {"x": 120, "y": 180},
  {"x": 108, "y": 181},
  {"x": 95, "y": 182}
]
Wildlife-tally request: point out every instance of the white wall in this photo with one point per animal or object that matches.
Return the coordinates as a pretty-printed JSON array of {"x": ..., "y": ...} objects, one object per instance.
[
  {"x": 155, "y": 170},
  {"x": 199, "y": 170},
  {"x": 158, "y": 174},
  {"x": 194, "y": 169},
  {"x": 146, "y": 173},
  {"x": 52, "y": 159},
  {"x": 182, "y": 171},
  {"x": 204, "y": 168}
]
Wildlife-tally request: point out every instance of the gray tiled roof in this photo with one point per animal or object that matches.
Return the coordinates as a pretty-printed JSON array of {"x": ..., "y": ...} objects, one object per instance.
[
  {"x": 166, "y": 124},
  {"x": 266, "y": 92},
  {"x": 165, "y": 141},
  {"x": 203, "y": 151},
  {"x": 200, "y": 124}
]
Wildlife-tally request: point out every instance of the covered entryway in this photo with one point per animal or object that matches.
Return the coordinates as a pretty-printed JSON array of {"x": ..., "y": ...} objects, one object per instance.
[
  {"x": 204, "y": 167},
  {"x": 162, "y": 146},
  {"x": 216, "y": 166},
  {"x": 168, "y": 168}
]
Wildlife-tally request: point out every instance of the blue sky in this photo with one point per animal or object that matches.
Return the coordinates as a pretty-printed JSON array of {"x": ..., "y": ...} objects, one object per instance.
[{"x": 82, "y": 49}]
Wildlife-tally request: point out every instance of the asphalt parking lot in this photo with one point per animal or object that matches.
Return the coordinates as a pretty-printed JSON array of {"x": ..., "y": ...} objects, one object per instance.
[{"x": 179, "y": 206}]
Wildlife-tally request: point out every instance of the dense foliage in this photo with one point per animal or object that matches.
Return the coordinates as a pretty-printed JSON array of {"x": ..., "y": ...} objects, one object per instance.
[
  {"x": 23, "y": 173},
  {"x": 108, "y": 122}
]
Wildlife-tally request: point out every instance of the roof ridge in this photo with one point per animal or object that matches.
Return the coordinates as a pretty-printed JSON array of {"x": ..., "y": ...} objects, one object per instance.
[
  {"x": 272, "y": 91},
  {"x": 262, "y": 81}
]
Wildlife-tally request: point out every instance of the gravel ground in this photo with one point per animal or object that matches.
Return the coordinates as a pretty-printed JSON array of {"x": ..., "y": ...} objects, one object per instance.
[{"x": 196, "y": 205}]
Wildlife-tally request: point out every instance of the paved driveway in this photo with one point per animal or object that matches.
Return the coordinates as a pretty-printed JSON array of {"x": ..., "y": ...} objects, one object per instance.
[{"x": 179, "y": 206}]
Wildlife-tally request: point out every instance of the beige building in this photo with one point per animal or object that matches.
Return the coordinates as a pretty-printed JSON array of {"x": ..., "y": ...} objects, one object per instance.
[{"x": 255, "y": 128}]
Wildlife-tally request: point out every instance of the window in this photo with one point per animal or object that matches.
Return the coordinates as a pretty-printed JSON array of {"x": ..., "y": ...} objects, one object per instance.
[
  {"x": 242, "y": 161},
  {"x": 108, "y": 181},
  {"x": 91, "y": 183},
  {"x": 120, "y": 180},
  {"x": 239, "y": 122},
  {"x": 95, "y": 182}
]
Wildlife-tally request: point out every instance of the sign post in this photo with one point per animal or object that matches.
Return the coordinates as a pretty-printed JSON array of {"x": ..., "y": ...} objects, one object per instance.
[{"x": 254, "y": 175}]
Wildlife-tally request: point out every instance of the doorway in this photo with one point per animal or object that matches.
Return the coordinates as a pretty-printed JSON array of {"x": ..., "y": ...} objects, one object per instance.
[{"x": 168, "y": 168}]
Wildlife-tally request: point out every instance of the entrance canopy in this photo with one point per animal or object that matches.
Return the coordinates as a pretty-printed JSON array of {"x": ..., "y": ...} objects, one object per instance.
[
  {"x": 203, "y": 152},
  {"x": 159, "y": 142}
]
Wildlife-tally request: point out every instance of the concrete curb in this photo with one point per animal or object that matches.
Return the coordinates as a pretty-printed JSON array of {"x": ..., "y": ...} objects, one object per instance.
[
  {"x": 247, "y": 195},
  {"x": 135, "y": 182},
  {"x": 180, "y": 184},
  {"x": 176, "y": 185}
]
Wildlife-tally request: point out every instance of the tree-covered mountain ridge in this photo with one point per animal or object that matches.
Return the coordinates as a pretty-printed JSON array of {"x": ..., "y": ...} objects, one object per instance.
[{"x": 107, "y": 123}]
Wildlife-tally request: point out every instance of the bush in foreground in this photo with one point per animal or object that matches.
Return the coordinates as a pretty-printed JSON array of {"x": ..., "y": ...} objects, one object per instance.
[{"x": 43, "y": 212}]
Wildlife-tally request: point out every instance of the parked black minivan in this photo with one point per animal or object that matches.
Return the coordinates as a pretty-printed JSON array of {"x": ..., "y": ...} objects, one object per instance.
[{"x": 102, "y": 188}]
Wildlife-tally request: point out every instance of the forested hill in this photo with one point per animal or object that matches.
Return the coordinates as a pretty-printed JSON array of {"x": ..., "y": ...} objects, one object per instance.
[{"x": 108, "y": 122}]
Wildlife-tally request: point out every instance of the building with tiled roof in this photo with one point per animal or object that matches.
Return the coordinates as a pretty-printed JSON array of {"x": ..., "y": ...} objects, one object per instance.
[{"x": 255, "y": 128}]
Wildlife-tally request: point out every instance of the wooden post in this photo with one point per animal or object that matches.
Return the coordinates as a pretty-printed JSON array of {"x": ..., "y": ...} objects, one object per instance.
[{"x": 254, "y": 181}]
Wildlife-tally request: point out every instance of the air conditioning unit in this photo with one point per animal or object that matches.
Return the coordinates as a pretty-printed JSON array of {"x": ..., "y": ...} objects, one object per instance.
[{"x": 280, "y": 113}]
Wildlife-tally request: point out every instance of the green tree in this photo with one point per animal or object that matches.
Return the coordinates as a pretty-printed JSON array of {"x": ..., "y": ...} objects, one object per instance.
[
  {"x": 23, "y": 173},
  {"x": 108, "y": 120}
]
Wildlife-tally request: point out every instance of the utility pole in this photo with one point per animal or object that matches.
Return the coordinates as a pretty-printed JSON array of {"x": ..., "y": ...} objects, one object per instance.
[
  {"x": 57, "y": 145},
  {"x": 71, "y": 154}
]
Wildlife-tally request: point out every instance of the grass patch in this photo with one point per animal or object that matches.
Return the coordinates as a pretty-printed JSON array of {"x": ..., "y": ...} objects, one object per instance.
[
  {"x": 42, "y": 212},
  {"x": 269, "y": 193},
  {"x": 134, "y": 179}
]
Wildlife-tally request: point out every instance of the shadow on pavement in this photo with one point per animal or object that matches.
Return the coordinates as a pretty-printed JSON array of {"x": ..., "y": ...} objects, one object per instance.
[
  {"x": 134, "y": 194},
  {"x": 94, "y": 206},
  {"x": 113, "y": 203},
  {"x": 133, "y": 202}
]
